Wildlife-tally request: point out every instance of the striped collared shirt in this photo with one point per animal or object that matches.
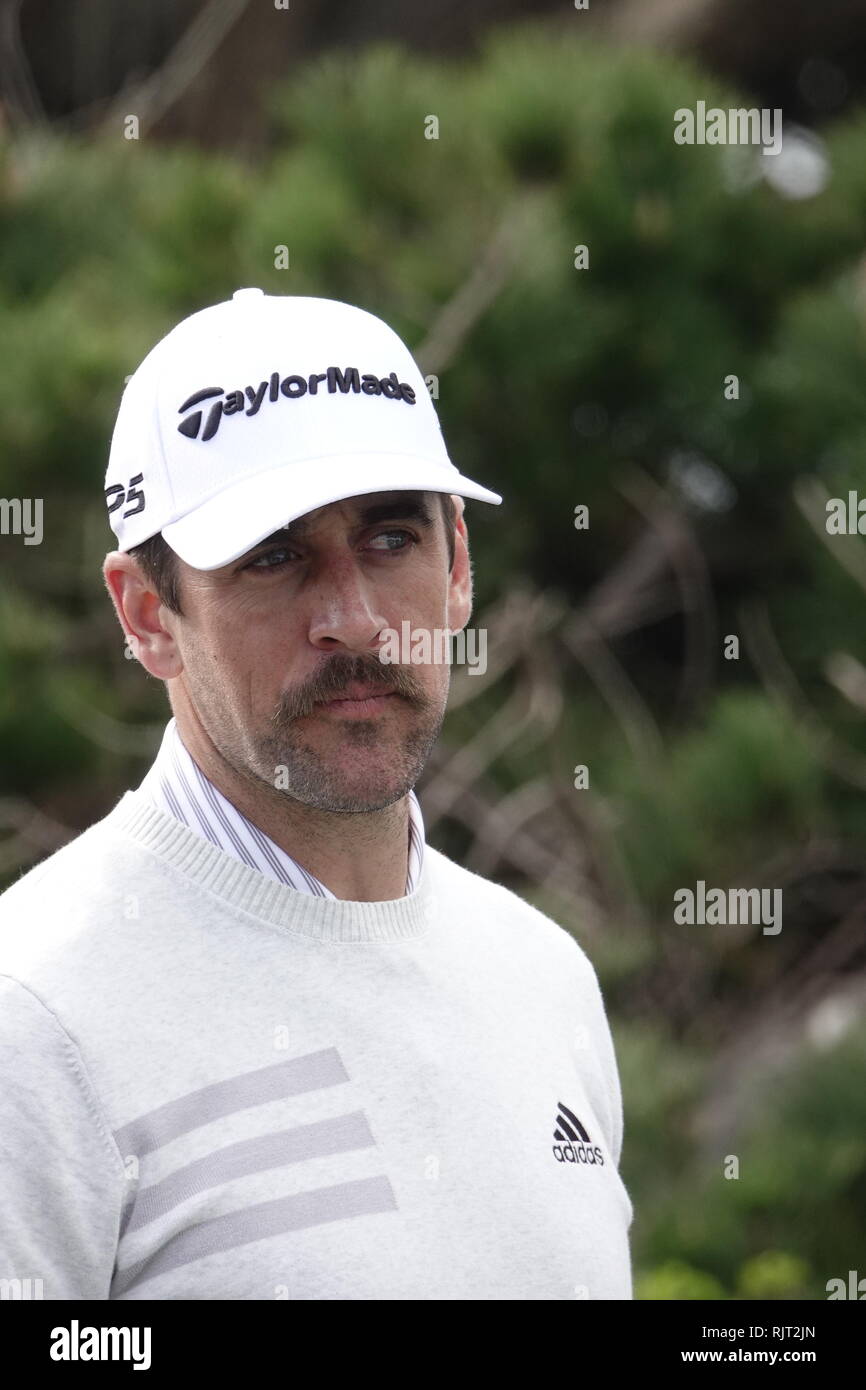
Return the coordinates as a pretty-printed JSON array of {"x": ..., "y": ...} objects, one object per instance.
[{"x": 177, "y": 785}]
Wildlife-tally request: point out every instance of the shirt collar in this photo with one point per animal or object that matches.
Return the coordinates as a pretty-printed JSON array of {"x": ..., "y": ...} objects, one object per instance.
[{"x": 176, "y": 784}]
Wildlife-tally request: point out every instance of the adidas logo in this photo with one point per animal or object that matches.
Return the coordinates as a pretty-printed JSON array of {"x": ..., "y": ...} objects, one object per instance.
[
  {"x": 573, "y": 1146},
  {"x": 233, "y": 402}
]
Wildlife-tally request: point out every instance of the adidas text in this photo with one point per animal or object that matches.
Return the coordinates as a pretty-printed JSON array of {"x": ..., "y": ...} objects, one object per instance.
[{"x": 579, "y": 1153}]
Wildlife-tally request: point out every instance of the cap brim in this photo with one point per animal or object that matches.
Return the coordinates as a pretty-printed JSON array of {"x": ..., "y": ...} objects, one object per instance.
[{"x": 236, "y": 519}]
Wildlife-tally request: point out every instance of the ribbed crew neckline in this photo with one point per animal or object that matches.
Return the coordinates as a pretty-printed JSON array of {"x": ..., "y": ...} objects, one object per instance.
[{"x": 238, "y": 886}]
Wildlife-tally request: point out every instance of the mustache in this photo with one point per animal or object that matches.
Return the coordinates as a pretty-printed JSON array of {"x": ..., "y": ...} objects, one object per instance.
[{"x": 341, "y": 671}]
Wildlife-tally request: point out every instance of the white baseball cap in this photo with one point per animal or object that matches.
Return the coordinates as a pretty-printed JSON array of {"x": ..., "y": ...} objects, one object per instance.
[{"x": 257, "y": 410}]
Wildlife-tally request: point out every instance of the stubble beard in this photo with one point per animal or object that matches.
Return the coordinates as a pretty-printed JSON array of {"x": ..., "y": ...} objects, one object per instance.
[{"x": 294, "y": 767}]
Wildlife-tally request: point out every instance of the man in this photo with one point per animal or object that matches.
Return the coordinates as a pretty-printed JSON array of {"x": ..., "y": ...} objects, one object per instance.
[{"x": 258, "y": 1040}]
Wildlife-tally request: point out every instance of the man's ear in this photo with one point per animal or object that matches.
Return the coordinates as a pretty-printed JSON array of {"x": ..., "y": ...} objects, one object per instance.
[
  {"x": 142, "y": 615},
  {"x": 460, "y": 578}
]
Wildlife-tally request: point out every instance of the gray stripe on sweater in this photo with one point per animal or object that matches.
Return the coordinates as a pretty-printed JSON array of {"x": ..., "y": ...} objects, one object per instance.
[
  {"x": 290, "y": 1078},
  {"x": 365, "y": 1197},
  {"x": 342, "y": 1134}
]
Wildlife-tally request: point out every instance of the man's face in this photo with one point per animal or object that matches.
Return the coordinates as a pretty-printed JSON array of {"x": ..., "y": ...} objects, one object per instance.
[{"x": 266, "y": 643}]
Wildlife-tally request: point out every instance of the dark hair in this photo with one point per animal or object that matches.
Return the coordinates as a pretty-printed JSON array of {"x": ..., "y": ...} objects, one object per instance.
[{"x": 159, "y": 562}]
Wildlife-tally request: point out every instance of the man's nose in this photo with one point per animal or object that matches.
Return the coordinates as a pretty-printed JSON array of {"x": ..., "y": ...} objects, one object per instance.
[{"x": 344, "y": 608}]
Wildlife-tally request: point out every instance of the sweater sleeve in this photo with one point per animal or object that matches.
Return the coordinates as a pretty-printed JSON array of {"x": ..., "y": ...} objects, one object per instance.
[
  {"x": 614, "y": 1090},
  {"x": 62, "y": 1181},
  {"x": 602, "y": 1041}
]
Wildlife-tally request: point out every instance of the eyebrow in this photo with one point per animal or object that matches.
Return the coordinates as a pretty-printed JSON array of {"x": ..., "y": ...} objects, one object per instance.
[{"x": 410, "y": 509}]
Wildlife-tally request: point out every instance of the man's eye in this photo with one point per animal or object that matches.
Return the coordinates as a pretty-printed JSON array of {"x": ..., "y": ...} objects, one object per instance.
[
  {"x": 405, "y": 536},
  {"x": 269, "y": 559}
]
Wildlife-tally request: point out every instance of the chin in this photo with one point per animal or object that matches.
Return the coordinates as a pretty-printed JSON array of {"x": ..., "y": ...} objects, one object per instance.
[{"x": 362, "y": 797}]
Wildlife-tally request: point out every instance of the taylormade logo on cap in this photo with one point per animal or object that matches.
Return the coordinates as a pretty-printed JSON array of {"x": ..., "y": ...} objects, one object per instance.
[
  {"x": 292, "y": 387},
  {"x": 314, "y": 433}
]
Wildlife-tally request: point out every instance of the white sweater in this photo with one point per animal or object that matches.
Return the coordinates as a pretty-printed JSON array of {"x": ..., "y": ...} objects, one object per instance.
[{"x": 215, "y": 1087}]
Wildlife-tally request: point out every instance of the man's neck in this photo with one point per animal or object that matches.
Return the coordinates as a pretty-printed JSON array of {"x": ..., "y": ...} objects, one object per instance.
[{"x": 360, "y": 857}]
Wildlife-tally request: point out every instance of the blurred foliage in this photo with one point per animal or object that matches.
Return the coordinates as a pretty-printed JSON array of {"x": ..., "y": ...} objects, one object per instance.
[{"x": 562, "y": 384}]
